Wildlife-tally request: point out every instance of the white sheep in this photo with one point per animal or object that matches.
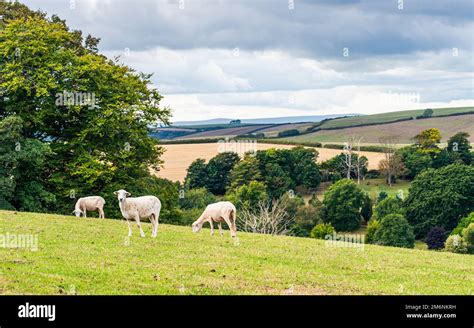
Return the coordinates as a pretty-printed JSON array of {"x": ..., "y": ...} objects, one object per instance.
[
  {"x": 91, "y": 203},
  {"x": 218, "y": 212},
  {"x": 137, "y": 208}
]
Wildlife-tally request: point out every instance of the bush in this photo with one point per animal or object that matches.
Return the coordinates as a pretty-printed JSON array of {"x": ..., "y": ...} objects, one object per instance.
[
  {"x": 320, "y": 231},
  {"x": 455, "y": 244},
  {"x": 366, "y": 210},
  {"x": 196, "y": 198},
  {"x": 342, "y": 202},
  {"x": 372, "y": 227},
  {"x": 436, "y": 237},
  {"x": 395, "y": 231},
  {"x": 389, "y": 205},
  {"x": 382, "y": 196},
  {"x": 468, "y": 237},
  {"x": 463, "y": 224},
  {"x": 306, "y": 218}
]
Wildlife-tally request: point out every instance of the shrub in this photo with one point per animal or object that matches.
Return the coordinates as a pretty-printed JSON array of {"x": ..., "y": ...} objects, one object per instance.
[
  {"x": 468, "y": 237},
  {"x": 395, "y": 231},
  {"x": 372, "y": 227},
  {"x": 196, "y": 198},
  {"x": 463, "y": 224},
  {"x": 389, "y": 205},
  {"x": 366, "y": 210},
  {"x": 306, "y": 218},
  {"x": 455, "y": 244},
  {"x": 436, "y": 237},
  {"x": 342, "y": 202},
  {"x": 382, "y": 196},
  {"x": 320, "y": 231}
]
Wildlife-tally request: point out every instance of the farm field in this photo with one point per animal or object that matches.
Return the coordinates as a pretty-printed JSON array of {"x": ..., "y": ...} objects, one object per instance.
[
  {"x": 91, "y": 256},
  {"x": 227, "y": 132},
  {"x": 178, "y": 157},
  {"x": 392, "y": 116},
  {"x": 405, "y": 130}
]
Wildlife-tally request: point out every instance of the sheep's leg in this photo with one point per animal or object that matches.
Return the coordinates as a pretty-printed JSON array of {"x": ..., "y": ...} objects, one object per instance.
[
  {"x": 85, "y": 213},
  {"x": 220, "y": 228},
  {"x": 230, "y": 225},
  {"x": 129, "y": 228},
  {"x": 101, "y": 214},
  {"x": 212, "y": 227},
  {"x": 154, "y": 223},
  {"x": 137, "y": 219}
]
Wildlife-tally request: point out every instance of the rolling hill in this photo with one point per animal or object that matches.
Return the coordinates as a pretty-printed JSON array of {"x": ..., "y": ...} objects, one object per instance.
[
  {"x": 404, "y": 131},
  {"x": 92, "y": 256}
]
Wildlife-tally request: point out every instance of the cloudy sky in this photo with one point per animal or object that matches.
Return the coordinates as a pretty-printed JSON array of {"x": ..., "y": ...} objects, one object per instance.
[{"x": 270, "y": 58}]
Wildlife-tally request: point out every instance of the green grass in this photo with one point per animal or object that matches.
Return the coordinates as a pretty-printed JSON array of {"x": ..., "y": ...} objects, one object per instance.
[
  {"x": 374, "y": 186},
  {"x": 91, "y": 256}
]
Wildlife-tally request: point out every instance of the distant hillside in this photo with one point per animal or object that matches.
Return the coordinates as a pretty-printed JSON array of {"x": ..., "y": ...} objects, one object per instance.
[
  {"x": 268, "y": 120},
  {"x": 392, "y": 117},
  {"x": 404, "y": 130}
]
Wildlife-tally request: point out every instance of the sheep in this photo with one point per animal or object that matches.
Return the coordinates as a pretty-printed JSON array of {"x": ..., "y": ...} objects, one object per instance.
[
  {"x": 218, "y": 212},
  {"x": 139, "y": 207},
  {"x": 91, "y": 203}
]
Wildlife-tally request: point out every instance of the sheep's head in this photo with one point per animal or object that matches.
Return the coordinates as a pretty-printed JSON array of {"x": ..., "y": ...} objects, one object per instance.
[
  {"x": 122, "y": 194},
  {"x": 197, "y": 226},
  {"x": 77, "y": 212}
]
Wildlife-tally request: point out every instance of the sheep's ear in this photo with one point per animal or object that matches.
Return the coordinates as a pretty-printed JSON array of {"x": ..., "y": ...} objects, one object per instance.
[
  {"x": 115, "y": 192},
  {"x": 128, "y": 194}
]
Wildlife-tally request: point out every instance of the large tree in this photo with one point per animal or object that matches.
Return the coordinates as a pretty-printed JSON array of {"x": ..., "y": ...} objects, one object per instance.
[
  {"x": 93, "y": 112},
  {"x": 343, "y": 202},
  {"x": 440, "y": 198}
]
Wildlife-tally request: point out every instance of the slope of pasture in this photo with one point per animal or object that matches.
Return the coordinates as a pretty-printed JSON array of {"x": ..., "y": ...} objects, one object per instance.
[
  {"x": 92, "y": 256},
  {"x": 391, "y": 116},
  {"x": 227, "y": 132},
  {"x": 177, "y": 158},
  {"x": 274, "y": 130},
  {"x": 404, "y": 131}
]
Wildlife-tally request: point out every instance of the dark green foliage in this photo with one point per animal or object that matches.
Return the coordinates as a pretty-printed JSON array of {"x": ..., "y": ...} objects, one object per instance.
[
  {"x": 335, "y": 168},
  {"x": 459, "y": 144},
  {"x": 414, "y": 160},
  {"x": 463, "y": 224},
  {"x": 468, "y": 237},
  {"x": 288, "y": 133},
  {"x": 440, "y": 198},
  {"x": 196, "y": 198},
  {"x": 389, "y": 205},
  {"x": 306, "y": 216},
  {"x": 436, "y": 237},
  {"x": 245, "y": 171},
  {"x": 22, "y": 166},
  {"x": 394, "y": 231},
  {"x": 248, "y": 195},
  {"x": 366, "y": 211},
  {"x": 197, "y": 175},
  {"x": 343, "y": 201},
  {"x": 218, "y": 172},
  {"x": 382, "y": 195}
]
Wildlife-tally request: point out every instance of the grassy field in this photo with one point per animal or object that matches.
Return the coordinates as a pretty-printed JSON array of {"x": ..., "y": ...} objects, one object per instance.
[
  {"x": 404, "y": 131},
  {"x": 178, "y": 157},
  {"x": 392, "y": 116},
  {"x": 92, "y": 256}
]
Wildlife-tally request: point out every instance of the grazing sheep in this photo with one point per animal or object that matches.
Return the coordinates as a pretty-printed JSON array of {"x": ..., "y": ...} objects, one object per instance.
[
  {"x": 218, "y": 212},
  {"x": 139, "y": 207},
  {"x": 91, "y": 203}
]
